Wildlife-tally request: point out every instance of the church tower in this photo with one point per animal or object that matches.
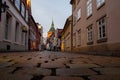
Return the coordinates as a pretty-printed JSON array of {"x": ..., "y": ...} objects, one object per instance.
[{"x": 51, "y": 31}]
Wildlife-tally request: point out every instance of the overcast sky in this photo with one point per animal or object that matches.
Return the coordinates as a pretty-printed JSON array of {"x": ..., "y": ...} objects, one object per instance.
[{"x": 44, "y": 11}]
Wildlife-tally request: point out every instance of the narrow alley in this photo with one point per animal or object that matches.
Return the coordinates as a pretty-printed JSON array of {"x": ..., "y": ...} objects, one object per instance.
[{"x": 48, "y": 65}]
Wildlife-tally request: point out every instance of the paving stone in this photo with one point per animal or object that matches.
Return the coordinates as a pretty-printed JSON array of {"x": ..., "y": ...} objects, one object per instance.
[
  {"x": 75, "y": 72},
  {"x": 62, "y": 60},
  {"x": 105, "y": 77},
  {"x": 15, "y": 77},
  {"x": 52, "y": 65},
  {"x": 82, "y": 65},
  {"x": 6, "y": 70},
  {"x": 61, "y": 78},
  {"x": 77, "y": 61},
  {"x": 34, "y": 71},
  {"x": 3, "y": 60},
  {"x": 6, "y": 64},
  {"x": 24, "y": 64},
  {"x": 108, "y": 71}
]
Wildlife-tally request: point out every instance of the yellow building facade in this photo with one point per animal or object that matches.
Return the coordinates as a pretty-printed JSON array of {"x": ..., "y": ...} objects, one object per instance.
[{"x": 66, "y": 42}]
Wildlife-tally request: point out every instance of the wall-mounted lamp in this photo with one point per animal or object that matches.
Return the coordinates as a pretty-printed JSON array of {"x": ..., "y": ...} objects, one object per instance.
[{"x": 24, "y": 29}]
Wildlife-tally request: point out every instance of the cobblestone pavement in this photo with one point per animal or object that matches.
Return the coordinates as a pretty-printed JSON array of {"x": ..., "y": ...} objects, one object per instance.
[{"x": 58, "y": 66}]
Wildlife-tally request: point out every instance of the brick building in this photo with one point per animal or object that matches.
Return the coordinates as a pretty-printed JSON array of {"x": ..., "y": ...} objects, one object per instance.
[{"x": 34, "y": 35}]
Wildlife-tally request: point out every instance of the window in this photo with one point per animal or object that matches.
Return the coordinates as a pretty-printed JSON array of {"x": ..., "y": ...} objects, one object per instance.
[
  {"x": 27, "y": 15},
  {"x": 79, "y": 37},
  {"x": 101, "y": 28},
  {"x": 89, "y": 34},
  {"x": 100, "y": 2},
  {"x": 79, "y": 14},
  {"x": 23, "y": 10},
  {"x": 16, "y": 32},
  {"x": 17, "y": 4},
  {"x": 8, "y": 25},
  {"x": 89, "y": 7}
]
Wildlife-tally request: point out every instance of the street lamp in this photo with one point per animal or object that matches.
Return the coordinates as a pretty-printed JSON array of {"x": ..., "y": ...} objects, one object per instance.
[
  {"x": 39, "y": 26},
  {"x": 3, "y": 7}
]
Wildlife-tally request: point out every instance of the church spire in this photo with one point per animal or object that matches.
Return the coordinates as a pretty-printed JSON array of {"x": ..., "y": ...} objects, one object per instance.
[
  {"x": 52, "y": 25},
  {"x": 52, "y": 29}
]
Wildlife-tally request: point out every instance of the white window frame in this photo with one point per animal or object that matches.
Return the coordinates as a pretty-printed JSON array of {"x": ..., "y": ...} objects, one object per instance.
[
  {"x": 90, "y": 33},
  {"x": 89, "y": 7},
  {"x": 102, "y": 28},
  {"x": 79, "y": 14},
  {"x": 100, "y": 2}
]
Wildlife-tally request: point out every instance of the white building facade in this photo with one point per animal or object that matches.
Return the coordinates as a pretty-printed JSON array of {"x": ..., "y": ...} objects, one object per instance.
[{"x": 14, "y": 26}]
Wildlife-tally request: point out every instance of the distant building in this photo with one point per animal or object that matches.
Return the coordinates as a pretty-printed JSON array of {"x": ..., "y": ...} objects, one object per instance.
[
  {"x": 50, "y": 36},
  {"x": 96, "y": 25},
  {"x": 52, "y": 30},
  {"x": 66, "y": 39},
  {"x": 34, "y": 35},
  {"x": 57, "y": 39},
  {"x": 40, "y": 28},
  {"x": 14, "y": 24}
]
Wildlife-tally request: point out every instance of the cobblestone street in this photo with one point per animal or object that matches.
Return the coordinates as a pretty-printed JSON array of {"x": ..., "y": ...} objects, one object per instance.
[{"x": 58, "y": 66}]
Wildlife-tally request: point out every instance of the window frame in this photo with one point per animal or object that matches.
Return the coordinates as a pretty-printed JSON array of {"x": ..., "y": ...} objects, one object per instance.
[
  {"x": 23, "y": 10},
  {"x": 79, "y": 14},
  {"x": 90, "y": 35},
  {"x": 17, "y": 4},
  {"x": 89, "y": 8},
  {"x": 100, "y": 3},
  {"x": 102, "y": 30},
  {"x": 8, "y": 25}
]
